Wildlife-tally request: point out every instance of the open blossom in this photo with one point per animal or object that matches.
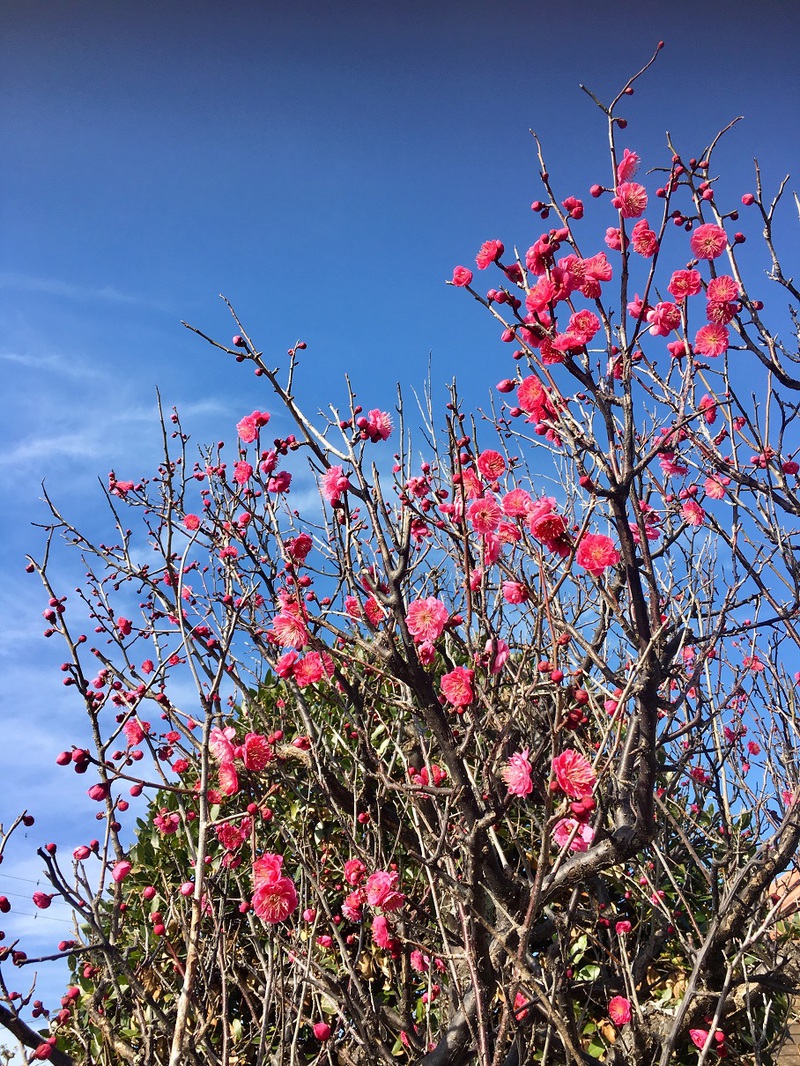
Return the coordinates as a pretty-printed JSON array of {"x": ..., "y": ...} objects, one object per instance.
[
  {"x": 533, "y": 399},
  {"x": 491, "y": 464},
  {"x": 627, "y": 166},
  {"x": 308, "y": 670},
  {"x": 135, "y": 731},
  {"x": 381, "y": 890},
  {"x": 514, "y": 592},
  {"x": 721, "y": 312},
  {"x": 722, "y": 289},
  {"x": 596, "y": 552},
  {"x": 485, "y": 514},
  {"x": 517, "y": 774},
  {"x": 574, "y": 774},
  {"x": 630, "y": 199},
  {"x": 289, "y": 629},
  {"x": 545, "y": 525},
  {"x": 274, "y": 896},
  {"x": 219, "y": 744},
  {"x": 619, "y": 1010},
  {"x": 692, "y": 513},
  {"x": 420, "y": 963},
  {"x": 517, "y": 503},
  {"x": 711, "y": 340},
  {"x": 378, "y": 425},
  {"x": 299, "y": 547},
  {"x": 457, "y": 686},
  {"x": 663, "y": 319},
  {"x": 352, "y": 904},
  {"x": 274, "y": 901},
  {"x": 333, "y": 484},
  {"x": 426, "y": 652},
  {"x": 583, "y": 326},
  {"x": 585, "y": 275},
  {"x": 637, "y": 307},
  {"x": 708, "y": 241},
  {"x": 643, "y": 239},
  {"x": 426, "y": 619},
  {"x": 242, "y": 472},
  {"x": 284, "y": 667},
  {"x": 167, "y": 822},
  {"x": 280, "y": 482},
  {"x": 714, "y": 486},
  {"x": 490, "y": 252},
  {"x": 543, "y": 293},
  {"x": 684, "y": 283},
  {"x": 708, "y": 407},
  {"x": 565, "y": 827},
  {"x": 249, "y": 426}
]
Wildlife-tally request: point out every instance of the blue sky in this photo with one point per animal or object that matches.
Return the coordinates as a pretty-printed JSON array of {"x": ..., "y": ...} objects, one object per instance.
[{"x": 325, "y": 166}]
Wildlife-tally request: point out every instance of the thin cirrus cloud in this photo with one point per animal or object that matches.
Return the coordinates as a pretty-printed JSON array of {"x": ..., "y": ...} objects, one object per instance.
[{"x": 82, "y": 293}]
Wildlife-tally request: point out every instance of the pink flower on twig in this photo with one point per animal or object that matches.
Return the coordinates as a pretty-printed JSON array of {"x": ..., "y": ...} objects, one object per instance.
[
  {"x": 274, "y": 896},
  {"x": 426, "y": 619},
  {"x": 596, "y": 552},
  {"x": 708, "y": 241},
  {"x": 574, "y": 774},
  {"x": 563, "y": 832},
  {"x": 517, "y": 774},
  {"x": 381, "y": 890},
  {"x": 619, "y": 1010},
  {"x": 457, "y": 686}
]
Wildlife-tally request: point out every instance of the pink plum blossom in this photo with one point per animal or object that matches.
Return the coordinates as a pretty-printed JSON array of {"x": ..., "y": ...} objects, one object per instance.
[
  {"x": 491, "y": 464},
  {"x": 490, "y": 252},
  {"x": 574, "y": 774},
  {"x": 249, "y": 426},
  {"x": 120, "y": 870},
  {"x": 684, "y": 283},
  {"x": 485, "y": 514},
  {"x": 596, "y": 552},
  {"x": 564, "y": 829},
  {"x": 628, "y": 165},
  {"x": 381, "y": 890},
  {"x": 711, "y": 340},
  {"x": 334, "y": 484},
  {"x": 708, "y": 241},
  {"x": 630, "y": 199},
  {"x": 619, "y": 1011},
  {"x": 496, "y": 653},
  {"x": 354, "y": 872},
  {"x": 643, "y": 239},
  {"x": 457, "y": 686},
  {"x": 426, "y": 619},
  {"x": 274, "y": 896},
  {"x": 517, "y": 774}
]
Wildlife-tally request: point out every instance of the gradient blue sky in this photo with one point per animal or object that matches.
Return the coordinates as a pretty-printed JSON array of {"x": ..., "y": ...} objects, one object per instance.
[{"x": 323, "y": 164}]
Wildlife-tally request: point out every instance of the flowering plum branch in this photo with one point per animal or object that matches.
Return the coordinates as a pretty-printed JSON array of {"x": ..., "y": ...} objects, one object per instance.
[{"x": 448, "y": 770}]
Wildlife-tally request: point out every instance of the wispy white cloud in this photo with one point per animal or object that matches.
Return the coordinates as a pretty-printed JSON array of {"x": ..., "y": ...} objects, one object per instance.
[
  {"x": 53, "y": 364},
  {"x": 82, "y": 293}
]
